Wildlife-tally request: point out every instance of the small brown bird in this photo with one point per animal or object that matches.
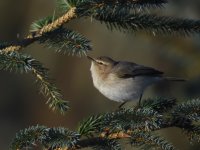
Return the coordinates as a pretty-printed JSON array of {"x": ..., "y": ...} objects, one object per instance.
[{"x": 123, "y": 81}]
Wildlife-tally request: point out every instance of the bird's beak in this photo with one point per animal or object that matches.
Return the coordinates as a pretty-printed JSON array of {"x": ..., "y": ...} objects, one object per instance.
[{"x": 90, "y": 58}]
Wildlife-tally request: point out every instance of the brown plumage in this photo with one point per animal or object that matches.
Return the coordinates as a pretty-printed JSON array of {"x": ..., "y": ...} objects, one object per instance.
[{"x": 123, "y": 81}]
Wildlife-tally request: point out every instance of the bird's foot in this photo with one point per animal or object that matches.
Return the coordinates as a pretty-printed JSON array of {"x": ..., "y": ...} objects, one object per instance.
[{"x": 121, "y": 105}]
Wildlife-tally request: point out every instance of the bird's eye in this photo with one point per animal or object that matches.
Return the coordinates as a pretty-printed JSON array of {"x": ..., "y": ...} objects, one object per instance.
[{"x": 100, "y": 63}]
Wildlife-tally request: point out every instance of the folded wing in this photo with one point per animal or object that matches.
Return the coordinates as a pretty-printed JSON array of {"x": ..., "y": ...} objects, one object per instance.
[{"x": 131, "y": 70}]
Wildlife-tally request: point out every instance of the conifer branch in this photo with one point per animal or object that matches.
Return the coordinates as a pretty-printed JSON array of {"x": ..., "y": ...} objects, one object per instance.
[
  {"x": 32, "y": 37},
  {"x": 66, "y": 41},
  {"x": 149, "y": 141},
  {"x": 126, "y": 5},
  {"x": 115, "y": 13},
  {"x": 16, "y": 62},
  {"x": 193, "y": 133},
  {"x": 55, "y": 98},
  {"x": 50, "y": 138},
  {"x": 159, "y": 104},
  {"x": 150, "y": 23},
  {"x": 137, "y": 125}
]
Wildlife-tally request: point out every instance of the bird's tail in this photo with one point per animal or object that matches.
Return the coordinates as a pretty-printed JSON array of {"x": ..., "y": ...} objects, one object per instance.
[{"x": 175, "y": 79}]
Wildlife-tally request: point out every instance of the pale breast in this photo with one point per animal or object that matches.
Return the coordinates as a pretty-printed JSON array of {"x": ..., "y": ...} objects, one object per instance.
[
  {"x": 117, "y": 89},
  {"x": 121, "y": 90}
]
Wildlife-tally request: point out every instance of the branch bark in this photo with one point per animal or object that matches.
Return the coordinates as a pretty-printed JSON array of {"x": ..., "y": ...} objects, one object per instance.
[{"x": 34, "y": 36}]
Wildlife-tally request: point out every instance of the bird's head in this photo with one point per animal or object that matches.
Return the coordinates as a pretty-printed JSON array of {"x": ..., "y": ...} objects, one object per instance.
[{"x": 102, "y": 65}]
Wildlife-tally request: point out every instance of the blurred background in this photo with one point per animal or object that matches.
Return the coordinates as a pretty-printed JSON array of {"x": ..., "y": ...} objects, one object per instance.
[{"x": 21, "y": 105}]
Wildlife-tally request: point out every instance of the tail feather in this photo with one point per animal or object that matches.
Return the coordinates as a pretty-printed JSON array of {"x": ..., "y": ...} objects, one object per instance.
[{"x": 175, "y": 79}]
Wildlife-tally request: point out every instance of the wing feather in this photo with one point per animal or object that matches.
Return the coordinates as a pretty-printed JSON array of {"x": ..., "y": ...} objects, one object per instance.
[{"x": 131, "y": 70}]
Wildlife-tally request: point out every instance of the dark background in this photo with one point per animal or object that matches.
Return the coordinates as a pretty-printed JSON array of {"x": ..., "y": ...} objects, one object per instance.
[{"x": 21, "y": 105}]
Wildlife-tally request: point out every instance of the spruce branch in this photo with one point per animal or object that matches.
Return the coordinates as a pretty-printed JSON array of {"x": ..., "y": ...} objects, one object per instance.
[
  {"x": 61, "y": 138},
  {"x": 140, "y": 119},
  {"x": 66, "y": 5},
  {"x": 192, "y": 106},
  {"x": 193, "y": 133},
  {"x": 13, "y": 61},
  {"x": 115, "y": 13},
  {"x": 150, "y": 23},
  {"x": 148, "y": 141},
  {"x": 159, "y": 104},
  {"x": 123, "y": 119},
  {"x": 66, "y": 41},
  {"x": 49, "y": 138},
  {"x": 34, "y": 36},
  {"x": 151, "y": 3},
  {"x": 95, "y": 6},
  {"x": 55, "y": 98},
  {"x": 105, "y": 131},
  {"x": 88, "y": 126},
  {"x": 107, "y": 144},
  {"x": 28, "y": 137},
  {"x": 39, "y": 24},
  {"x": 189, "y": 109}
]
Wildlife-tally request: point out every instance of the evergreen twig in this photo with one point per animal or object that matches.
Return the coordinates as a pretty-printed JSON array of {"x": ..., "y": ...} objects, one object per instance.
[
  {"x": 34, "y": 36},
  {"x": 17, "y": 62},
  {"x": 150, "y": 23},
  {"x": 104, "y": 131},
  {"x": 116, "y": 13}
]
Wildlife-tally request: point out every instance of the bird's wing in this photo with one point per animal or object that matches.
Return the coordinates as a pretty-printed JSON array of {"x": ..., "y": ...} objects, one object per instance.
[{"x": 131, "y": 70}]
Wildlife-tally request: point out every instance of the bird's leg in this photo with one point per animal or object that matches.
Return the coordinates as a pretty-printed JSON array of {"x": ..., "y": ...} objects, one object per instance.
[
  {"x": 120, "y": 106},
  {"x": 140, "y": 100}
]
